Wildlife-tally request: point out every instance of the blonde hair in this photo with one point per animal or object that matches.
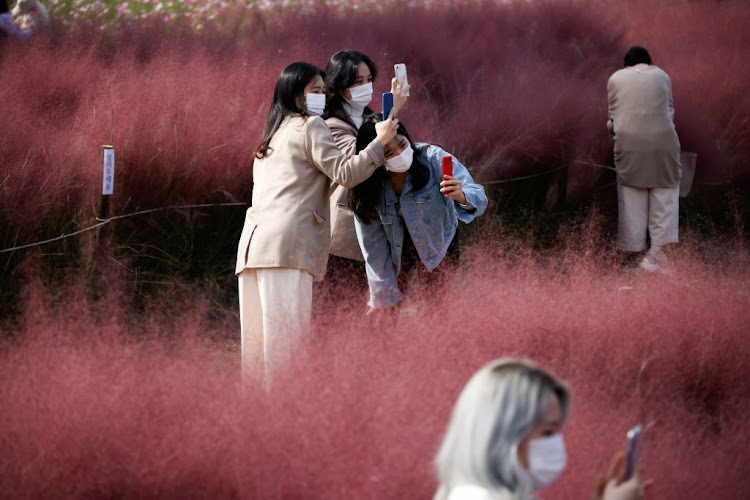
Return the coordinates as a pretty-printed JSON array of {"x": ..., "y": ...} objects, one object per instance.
[{"x": 500, "y": 405}]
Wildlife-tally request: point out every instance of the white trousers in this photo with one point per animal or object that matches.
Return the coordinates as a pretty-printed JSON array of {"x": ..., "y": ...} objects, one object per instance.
[
  {"x": 647, "y": 212},
  {"x": 275, "y": 311}
]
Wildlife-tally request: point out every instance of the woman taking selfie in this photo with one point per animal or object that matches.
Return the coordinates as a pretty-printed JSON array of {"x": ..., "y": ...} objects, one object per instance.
[
  {"x": 285, "y": 239},
  {"x": 349, "y": 89},
  {"x": 504, "y": 438},
  {"x": 408, "y": 213}
]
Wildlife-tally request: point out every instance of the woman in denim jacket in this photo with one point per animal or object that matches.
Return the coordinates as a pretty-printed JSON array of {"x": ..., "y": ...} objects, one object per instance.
[{"x": 405, "y": 208}]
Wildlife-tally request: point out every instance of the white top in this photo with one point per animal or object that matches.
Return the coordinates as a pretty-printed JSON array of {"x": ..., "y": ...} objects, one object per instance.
[
  {"x": 358, "y": 119},
  {"x": 474, "y": 492},
  {"x": 469, "y": 492}
]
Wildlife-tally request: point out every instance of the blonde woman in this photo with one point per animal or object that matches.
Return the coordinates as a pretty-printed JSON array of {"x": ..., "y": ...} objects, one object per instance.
[{"x": 504, "y": 439}]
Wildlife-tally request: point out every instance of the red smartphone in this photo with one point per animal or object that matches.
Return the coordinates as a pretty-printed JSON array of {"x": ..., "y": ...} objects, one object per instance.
[{"x": 447, "y": 166}]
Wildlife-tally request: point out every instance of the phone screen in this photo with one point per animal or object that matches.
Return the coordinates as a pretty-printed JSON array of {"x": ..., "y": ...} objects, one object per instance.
[
  {"x": 387, "y": 104},
  {"x": 631, "y": 458}
]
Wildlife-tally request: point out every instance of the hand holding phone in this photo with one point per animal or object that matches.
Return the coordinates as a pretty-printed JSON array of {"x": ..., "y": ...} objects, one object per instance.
[
  {"x": 451, "y": 187},
  {"x": 400, "y": 70},
  {"x": 387, "y": 104}
]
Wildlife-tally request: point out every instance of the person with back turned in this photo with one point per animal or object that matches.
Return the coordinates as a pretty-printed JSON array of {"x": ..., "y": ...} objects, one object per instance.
[{"x": 647, "y": 158}]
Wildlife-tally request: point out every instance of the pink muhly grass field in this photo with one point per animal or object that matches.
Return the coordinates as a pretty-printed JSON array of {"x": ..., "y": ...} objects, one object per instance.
[
  {"x": 98, "y": 400},
  {"x": 98, "y": 403},
  {"x": 511, "y": 89}
]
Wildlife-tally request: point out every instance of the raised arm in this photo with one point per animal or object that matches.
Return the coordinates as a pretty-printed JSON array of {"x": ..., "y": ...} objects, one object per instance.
[
  {"x": 399, "y": 91},
  {"x": 345, "y": 140},
  {"x": 329, "y": 159}
]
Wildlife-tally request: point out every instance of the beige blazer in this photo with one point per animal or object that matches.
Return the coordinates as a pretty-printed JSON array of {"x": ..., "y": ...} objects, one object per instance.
[
  {"x": 641, "y": 118},
  {"x": 344, "y": 241},
  {"x": 288, "y": 222}
]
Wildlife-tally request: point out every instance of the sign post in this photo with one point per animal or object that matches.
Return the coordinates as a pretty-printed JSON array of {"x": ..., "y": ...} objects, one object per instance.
[
  {"x": 108, "y": 179},
  {"x": 101, "y": 235}
]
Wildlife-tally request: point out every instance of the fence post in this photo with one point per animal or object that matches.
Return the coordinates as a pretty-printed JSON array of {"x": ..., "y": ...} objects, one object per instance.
[
  {"x": 108, "y": 179},
  {"x": 101, "y": 235}
]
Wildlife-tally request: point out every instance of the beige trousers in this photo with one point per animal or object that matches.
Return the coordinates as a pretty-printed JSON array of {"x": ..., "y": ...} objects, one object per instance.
[
  {"x": 275, "y": 311},
  {"x": 647, "y": 212}
]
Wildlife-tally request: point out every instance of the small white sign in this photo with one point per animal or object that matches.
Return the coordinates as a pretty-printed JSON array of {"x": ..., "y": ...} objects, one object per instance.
[{"x": 108, "y": 170}]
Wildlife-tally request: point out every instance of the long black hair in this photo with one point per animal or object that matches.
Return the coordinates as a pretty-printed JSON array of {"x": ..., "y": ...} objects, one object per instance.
[
  {"x": 341, "y": 73},
  {"x": 289, "y": 88},
  {"x": 363, "y": 198},
  {"x": 4, "y": 7}
]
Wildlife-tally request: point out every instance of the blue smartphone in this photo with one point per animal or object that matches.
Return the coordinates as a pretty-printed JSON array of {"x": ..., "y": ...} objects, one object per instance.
[
  {"x": 631, "y": 456},
  {"x": 387, "y": 104}
]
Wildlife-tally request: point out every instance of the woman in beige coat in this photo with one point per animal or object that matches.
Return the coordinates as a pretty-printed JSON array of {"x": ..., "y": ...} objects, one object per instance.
[{"x": 285, "y": 239}]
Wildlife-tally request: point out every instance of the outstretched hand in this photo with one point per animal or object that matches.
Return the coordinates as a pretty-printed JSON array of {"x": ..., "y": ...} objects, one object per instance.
[
  {"x": 399, "y": 91},
  {"x": 386, "y": 130}
]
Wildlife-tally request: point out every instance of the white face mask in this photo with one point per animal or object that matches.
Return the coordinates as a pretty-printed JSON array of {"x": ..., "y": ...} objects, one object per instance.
[
  {"x": 546, "y": 460},
  {"x": 402, "y": 162},
  {"x": 361, "y": 97},
  {"x": 315, "y": 104}
]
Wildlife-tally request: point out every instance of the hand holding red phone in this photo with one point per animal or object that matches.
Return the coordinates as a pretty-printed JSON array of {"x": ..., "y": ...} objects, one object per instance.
[{"x": 451, "y": 186}]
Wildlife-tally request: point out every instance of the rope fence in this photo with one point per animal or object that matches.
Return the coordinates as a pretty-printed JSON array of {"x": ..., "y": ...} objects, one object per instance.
[
  {"x": 106, "y": 221},
  {"x": 546, "y": 172}
]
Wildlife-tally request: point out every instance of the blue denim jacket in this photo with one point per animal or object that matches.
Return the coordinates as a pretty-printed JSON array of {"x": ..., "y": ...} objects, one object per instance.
[{"x": 430, "y": 217}]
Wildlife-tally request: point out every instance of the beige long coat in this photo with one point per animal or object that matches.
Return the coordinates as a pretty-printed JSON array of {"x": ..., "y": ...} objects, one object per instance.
[
  {"x": 288, "y": 222},
  {"x": 641, "y": 117},
  {"x": 344, "y": 241}
]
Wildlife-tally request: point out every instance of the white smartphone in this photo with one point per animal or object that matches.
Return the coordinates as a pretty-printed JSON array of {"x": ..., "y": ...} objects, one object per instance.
[
  {"x": 631, "y": 456},
  {"x": 400, "y": 70}
]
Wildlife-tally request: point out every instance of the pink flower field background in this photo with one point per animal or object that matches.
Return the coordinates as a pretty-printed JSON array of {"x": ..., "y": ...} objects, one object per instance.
[{"x": 119, "y": 363}]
